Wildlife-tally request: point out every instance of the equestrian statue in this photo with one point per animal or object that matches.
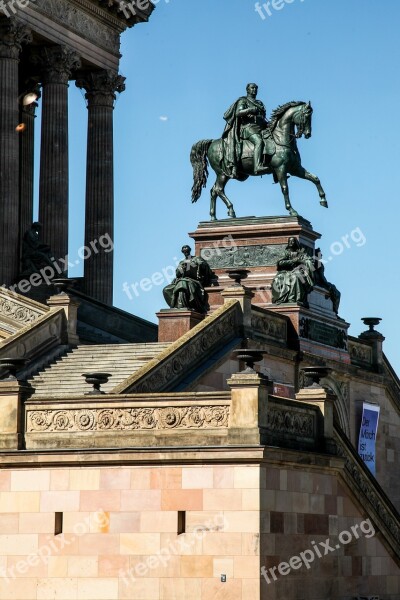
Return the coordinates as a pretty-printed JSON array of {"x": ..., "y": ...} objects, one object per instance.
[{"x": 253, "y": 146}]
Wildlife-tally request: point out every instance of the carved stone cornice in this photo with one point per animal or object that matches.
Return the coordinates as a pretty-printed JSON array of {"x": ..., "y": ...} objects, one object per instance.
[
  {"x": 12, "y": 35},
  {"x": 56, "y": 64},
  {"x": 140, "y": 15},
  {"x": 101, "y": 87},
  {"x": 85, "y": 19}
]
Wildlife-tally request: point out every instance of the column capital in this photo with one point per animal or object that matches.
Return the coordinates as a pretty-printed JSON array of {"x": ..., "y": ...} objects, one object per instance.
[
  {"x": 56, "y": 63},
  {"x": 101, "y": 87},
  {"x": 12, "y": 35}
]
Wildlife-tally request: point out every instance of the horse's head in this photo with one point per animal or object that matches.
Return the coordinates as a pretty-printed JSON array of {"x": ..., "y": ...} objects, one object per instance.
[{"x": 302, "y": 119}]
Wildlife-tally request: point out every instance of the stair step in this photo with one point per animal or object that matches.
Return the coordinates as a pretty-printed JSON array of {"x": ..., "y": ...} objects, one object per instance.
[{"x": 64, "y": 376}]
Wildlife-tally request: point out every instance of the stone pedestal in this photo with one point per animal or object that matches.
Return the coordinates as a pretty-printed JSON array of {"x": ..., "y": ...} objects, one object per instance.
[
  {"x": 325, "y": 400},
  {"x": 249, "y": 404},
  {"x": 11, "y": 427},
  {"x": 375, "y": 339},
  {"x": 173, "y": 323},
  {"x": 70, "y": 306},
  {"x": 256, "y": 245},
  {"x": 244, "y": 296},
  {"x": 252, "y": 243}
]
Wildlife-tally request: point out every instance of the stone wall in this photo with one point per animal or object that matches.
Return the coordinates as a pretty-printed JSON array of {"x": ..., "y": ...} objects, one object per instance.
[
  {"x": 301, "y": 509},
  {"x": 120, "y": 538}
]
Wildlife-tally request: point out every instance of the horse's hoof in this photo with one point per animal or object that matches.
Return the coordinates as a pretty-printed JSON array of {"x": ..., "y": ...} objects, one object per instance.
[
  {"x": 324, "y": 203},
  {"x": 231, "y": 213},
  {"x": 293, "y": 213},
  {"x": 213, "y": 218}
]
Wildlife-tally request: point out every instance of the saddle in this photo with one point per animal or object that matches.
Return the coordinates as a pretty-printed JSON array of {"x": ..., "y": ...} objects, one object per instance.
[{"x": 269, "y": 145}]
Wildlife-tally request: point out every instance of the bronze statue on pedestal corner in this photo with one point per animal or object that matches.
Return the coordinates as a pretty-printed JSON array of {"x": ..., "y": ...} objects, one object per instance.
[
  {"x": 35, "y": 254},
  {"x": 321, "y": 280},
  {"x": 294, "y": 280},
  {"x": 252, "y": 146},
  {"x": 186, "y": 291}
]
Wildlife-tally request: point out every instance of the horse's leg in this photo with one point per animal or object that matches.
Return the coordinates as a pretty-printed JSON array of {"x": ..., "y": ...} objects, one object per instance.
[
  {"x": 213, "y": 203},
  {"x": 282, "y": 178},
  {"x": 301, "y": 172},
  {"x": 220, "y": 191}
]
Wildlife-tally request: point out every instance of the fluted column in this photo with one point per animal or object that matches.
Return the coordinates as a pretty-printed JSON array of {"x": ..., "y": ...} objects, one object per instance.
[
  {"x": 57, "y": 64},
  {"x": 27, "y": 143},
  {"x": 12, "y": 36},
  {"x": 101, "y": 88}
]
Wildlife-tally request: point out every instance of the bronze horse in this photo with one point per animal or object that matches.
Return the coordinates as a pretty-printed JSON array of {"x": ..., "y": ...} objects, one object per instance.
[{"x": 283, "y": 160}]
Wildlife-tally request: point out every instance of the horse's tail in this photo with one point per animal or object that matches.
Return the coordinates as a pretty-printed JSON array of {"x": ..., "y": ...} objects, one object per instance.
[{"x": 198, "y": 158}]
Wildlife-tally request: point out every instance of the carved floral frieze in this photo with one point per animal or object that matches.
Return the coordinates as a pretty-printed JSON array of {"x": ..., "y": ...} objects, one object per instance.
[
  {"x": 360, "y": 352},
  {"x": 16, "y": 311},
  {"x": 127, "y": 419},
  {"x": 291, "y": 421},
  {"x": 269, "y": 326}
]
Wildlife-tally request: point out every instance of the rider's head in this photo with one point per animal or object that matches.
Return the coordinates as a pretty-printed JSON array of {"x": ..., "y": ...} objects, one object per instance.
[
  {"x": 186, "y": 250},
  {"x": 252, "y": 88}
]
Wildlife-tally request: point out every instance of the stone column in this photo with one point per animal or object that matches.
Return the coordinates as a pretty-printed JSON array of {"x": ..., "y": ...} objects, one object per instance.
[
  {"x": 26, "y": 154},
  {"x": 12, "y": 36},
  {"x": 101, "y": 88},
  {"x": 57, "y": 64}
]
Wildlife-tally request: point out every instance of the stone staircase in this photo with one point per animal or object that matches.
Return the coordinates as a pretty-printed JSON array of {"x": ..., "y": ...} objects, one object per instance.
[{"x": 64, "y": 376}]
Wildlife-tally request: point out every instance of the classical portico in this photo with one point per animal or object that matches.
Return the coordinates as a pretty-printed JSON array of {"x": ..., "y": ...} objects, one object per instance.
[{"x": 44, "y": 46}]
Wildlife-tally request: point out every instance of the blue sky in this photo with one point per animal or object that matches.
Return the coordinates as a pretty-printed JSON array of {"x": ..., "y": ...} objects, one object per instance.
[{"x": 188, "y": 64}]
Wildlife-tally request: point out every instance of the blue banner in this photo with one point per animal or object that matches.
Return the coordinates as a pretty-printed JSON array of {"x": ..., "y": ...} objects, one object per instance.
[{"x": 368, "y": 432}]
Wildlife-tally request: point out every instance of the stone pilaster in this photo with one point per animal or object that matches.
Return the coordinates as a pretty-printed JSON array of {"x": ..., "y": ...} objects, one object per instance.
[
  {"x": 248, "y": 418},
  {"x": 101, "y": 88},
  {"x": 57, "y": 64},
  {"x": 12, "y": 36},
  {"x": 12, "y": 395},
  {"x": 26, "y": 157}
]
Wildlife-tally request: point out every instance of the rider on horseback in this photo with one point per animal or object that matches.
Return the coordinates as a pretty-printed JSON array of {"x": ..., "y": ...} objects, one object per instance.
[{"x": 246, "y": 119}]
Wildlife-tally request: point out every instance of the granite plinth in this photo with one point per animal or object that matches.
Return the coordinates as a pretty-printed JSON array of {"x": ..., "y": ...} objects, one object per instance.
[{"x": 252, "y": 243}]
